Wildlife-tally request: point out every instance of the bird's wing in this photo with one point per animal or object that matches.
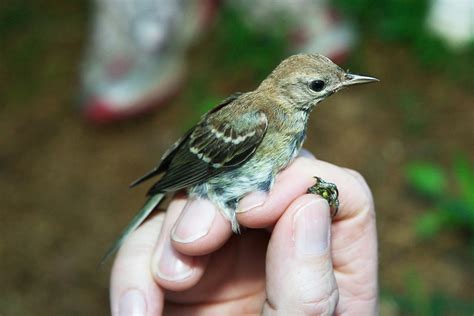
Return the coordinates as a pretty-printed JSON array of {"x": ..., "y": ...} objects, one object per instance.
[
  {"x": 165, "y": 160},
  {"x": 171, "y": 152},
  {"x": 215, "y": 145}
]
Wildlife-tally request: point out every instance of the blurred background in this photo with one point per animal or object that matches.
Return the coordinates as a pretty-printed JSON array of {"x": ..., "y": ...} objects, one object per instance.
[{"x": 91, "y": 95}]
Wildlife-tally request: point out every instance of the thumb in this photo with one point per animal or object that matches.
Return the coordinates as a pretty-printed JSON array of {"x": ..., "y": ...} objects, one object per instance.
[{"x": 300, "y": 276}]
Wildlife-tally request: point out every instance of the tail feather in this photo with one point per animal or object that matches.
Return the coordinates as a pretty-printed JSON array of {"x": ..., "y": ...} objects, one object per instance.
[
  {"x": 147, "y": 176},
  {"x": 149, "y": 206}
]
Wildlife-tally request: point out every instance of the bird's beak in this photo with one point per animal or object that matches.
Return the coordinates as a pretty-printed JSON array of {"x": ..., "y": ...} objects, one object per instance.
[{"x": 351, "y": 79}]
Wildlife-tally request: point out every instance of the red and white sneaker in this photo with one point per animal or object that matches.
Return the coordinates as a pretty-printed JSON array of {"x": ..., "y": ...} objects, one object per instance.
[{"x": 135, "y": 59}]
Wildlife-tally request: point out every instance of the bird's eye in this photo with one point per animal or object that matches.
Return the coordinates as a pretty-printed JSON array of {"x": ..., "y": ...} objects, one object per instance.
[{"x": 316, "y": 85}]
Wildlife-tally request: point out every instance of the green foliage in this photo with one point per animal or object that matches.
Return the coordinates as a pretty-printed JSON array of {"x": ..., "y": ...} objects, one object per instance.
[
  {"x": 465, "y": 175},
  {"x": 450, "y": 193},
  {"x": 430, "y": 224},
  {"x": 405, "y": 21},
  {"x": 417, "y": 294},
  {"x": 402, "y": 19},
  {"x": 200, "y": 106},
  {"x": 418, "y": 300},
  {"x": 427, "y": 178},
  {"x": 391, "y": 19},
  {"x": 415, "y": 115},
  {"x": 248, "y": 48},
  {"x": 30, "y": 32}
]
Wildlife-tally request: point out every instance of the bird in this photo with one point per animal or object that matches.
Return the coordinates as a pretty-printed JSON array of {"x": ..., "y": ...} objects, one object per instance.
[{"x": 240, "y": 145}]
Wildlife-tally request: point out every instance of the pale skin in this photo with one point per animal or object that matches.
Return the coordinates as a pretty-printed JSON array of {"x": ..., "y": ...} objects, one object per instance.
[{"x": 302, "y": 263}]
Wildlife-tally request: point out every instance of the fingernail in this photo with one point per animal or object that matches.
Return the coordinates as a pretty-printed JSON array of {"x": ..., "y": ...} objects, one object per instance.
[
  {"x": 195, "y": 221},
  {"x": 251, "y": 201},
  {"x": 132, "y": 303},
  {"x": 172, "y": 265},
  {"x": 311, "y": 227}
]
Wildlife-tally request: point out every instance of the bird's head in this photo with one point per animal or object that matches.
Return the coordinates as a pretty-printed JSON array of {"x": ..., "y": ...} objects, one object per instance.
[{"x": 304, "y": 80}]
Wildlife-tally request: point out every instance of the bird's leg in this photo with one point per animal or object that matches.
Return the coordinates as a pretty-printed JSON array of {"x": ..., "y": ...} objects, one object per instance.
[{"x": 327, "y": 191}]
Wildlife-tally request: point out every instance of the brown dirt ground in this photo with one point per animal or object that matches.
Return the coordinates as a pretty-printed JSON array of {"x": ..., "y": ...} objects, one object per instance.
[{"x": 64, "y": 183}]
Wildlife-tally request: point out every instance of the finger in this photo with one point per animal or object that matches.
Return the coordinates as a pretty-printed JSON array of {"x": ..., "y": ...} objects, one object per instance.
[
  {"x": 171, "y": 269},
  {"x": 259, "y": 210},
  {"x": 133, "y": 290},
  {"x": 200, "y": 229},
  {"x": 300, "y": 277},
  {"x": 354, "y": 248}
]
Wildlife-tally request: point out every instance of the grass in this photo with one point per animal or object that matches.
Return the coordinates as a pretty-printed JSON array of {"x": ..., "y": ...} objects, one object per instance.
[{"x": 450, "y": 193}]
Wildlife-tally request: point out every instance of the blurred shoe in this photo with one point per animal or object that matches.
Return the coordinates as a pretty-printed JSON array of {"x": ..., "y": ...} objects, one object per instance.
[
  {"x": 314, "y": 27},
  {"x": 135, "y": 59}
]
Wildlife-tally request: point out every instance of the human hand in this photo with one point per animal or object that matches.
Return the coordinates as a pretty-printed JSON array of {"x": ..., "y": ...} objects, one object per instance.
[{"x": 189, "y": 262}]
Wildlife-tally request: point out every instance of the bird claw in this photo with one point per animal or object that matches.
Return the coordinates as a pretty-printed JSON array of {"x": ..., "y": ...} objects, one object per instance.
[{"x": 327, "y": 191}]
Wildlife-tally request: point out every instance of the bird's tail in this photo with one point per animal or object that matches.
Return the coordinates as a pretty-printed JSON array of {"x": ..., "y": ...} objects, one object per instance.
[{"x": 149, "y": 206}]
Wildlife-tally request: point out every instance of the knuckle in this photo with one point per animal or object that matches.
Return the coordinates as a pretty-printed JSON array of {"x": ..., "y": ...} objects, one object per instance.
[
  {"x": 356, "y": 174},
  {"x": 325, "y": 305},
  {"x": 322, "y": 302},
  {"x": 363, "y": 193}
]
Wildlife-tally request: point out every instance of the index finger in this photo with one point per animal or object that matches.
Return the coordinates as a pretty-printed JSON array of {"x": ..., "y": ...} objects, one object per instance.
[{"x": 293, "y": 182}]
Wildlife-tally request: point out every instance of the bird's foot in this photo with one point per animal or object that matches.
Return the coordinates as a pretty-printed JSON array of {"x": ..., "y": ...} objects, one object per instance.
[{"x": 327, "y": 191}]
